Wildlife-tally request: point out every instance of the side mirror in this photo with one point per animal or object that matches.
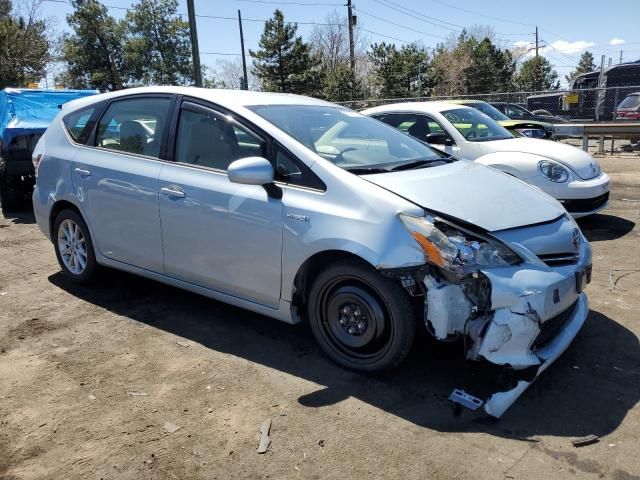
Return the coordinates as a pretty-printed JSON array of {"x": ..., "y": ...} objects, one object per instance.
[
  {"x": 251, "y": 171},
  {"x": 439, "y": 139}
]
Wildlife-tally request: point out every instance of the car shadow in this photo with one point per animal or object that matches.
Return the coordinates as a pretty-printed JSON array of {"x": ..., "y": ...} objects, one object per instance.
[
  {"x": 20, "y": 217},
  {"x": 588, "y": 391},
  {"x": 599, "y": 227}
]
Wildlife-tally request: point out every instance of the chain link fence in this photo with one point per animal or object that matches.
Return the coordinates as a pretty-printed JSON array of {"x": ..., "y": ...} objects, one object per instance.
[
  {"x": 574, "y": 106},
  {"x": 583, "y": 105}
]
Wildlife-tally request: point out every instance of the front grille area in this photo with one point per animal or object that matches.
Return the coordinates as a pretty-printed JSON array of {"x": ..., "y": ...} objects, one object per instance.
[
  {"x": 586, "y": 204},
  {"x": 559, "y": 259},
  {"x": 553, "y": 326}
]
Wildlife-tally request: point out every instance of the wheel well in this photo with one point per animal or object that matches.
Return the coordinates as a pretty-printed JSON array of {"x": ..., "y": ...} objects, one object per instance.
[
  {"x": 56, "y": 209},
  {"x": 310, "y": 268}
]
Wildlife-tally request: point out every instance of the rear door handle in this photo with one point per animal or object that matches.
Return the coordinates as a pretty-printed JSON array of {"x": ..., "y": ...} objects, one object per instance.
[
  {"x": 83, "y": 172},
  {"x": 173, "y": 191}
]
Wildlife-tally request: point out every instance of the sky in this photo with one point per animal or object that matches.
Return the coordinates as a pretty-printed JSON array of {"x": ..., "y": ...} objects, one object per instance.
[{"x": 566, "y": 27}]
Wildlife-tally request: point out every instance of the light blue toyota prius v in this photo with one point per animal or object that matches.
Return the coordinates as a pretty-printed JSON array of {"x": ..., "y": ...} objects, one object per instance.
[{"x": 303, "y": 210}]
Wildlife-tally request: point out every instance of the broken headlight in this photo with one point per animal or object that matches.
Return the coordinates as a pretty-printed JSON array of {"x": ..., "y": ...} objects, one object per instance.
[{"x": 454, "y": 250}]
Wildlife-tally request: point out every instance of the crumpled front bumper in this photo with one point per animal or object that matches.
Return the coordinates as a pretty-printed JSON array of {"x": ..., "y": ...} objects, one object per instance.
[
  {"x": 499, "y": 402},
  {"x": 522, "y": 302},
  {"x": 535, "y": 312}
]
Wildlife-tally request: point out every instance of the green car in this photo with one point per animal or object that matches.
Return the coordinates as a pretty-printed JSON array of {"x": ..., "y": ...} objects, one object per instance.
[{"x": 528, "y": 128}]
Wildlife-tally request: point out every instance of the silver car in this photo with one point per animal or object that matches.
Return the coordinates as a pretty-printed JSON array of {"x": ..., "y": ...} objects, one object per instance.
[{"x": 302, "y": 210}]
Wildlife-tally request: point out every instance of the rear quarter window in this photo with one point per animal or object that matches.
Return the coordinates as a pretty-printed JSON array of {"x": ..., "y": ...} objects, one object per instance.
[{"x": 77, "y": 124}]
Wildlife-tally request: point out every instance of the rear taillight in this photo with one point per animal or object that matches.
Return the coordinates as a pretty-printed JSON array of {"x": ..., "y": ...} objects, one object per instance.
[{"x": 36, "y": 162}]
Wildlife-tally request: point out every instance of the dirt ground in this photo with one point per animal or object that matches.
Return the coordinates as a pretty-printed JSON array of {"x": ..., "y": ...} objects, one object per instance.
[{"x": 92, "y": 378}]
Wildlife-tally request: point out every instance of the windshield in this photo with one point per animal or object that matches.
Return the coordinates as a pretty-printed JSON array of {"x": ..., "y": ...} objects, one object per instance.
[
  {"x": 631, "y": 101},
  {"x": 475, "y": 126},
  {"x": 347, "y": 138},
  {"x": 489, "y": 110},
  {"x": 519, "y": 111}
]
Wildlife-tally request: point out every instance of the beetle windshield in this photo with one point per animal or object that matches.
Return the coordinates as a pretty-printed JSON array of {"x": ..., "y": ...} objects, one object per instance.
[
  {"x": 475, "y": 125},
  {"x": 489, "y": 110},
  {"x": 349, "y": 139}
]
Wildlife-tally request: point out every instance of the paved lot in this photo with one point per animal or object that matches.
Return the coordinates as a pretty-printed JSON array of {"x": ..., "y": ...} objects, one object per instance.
[{"x": 90, "y": 376}]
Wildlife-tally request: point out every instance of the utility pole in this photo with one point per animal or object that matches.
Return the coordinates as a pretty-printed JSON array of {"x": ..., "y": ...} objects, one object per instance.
[
  {"x": 245, "y": 79},
  {"x": 620, "y": 56},
  {"x": 352, "y": 55},
  {"x": 195, "y": 51},
  {"x": 536, "y": 40}
]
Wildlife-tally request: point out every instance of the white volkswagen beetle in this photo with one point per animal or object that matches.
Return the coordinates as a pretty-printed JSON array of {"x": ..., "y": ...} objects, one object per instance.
[{"x": 567, "y": 173}]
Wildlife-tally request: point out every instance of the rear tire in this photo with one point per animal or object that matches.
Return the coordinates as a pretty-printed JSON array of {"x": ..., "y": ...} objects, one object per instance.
[
  {"x": 361, "y": 319},
  {"x": 74, "y": 248},
  {"x": 10, "y": 191}
]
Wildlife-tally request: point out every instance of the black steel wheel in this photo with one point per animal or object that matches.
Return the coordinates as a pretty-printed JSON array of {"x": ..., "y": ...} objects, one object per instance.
[{"x": 361, "y": 319}]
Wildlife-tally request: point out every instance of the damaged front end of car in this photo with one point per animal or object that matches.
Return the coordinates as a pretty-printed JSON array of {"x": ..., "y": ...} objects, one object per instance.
[{"x": 514, "y": 297}]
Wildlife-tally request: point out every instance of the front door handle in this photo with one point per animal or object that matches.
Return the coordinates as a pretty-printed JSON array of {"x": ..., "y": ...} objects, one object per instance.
[
  {"x": 83, "y": 172},
  {"x": 173, "y": 191}
]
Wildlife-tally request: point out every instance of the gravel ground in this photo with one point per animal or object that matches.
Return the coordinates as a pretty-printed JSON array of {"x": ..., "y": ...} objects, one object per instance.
[{"x": 94, "y": 381}]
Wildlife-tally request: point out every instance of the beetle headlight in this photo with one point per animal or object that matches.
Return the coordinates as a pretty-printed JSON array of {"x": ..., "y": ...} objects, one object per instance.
[
  {"x": 553, "y": 171},
  {"x": 532, "y": 132},
  {"x": 454, "y": 250}
]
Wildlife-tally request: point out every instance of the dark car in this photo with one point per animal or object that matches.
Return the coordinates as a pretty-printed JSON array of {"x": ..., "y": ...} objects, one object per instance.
[
  {"x": 629, "y": 108},
  {"x": 517, "y": 112},
  {"x": 24, "y": 116}
]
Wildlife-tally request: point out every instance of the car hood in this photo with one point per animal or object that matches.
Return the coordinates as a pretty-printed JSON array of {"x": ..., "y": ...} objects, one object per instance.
[
  {"x": 474, "y": 193},
  {"x": 577, "y": 160},
  {"x": 523, "y": 123}
]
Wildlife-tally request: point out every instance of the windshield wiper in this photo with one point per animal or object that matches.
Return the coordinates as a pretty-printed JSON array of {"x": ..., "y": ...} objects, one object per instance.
[
  {"x": 420, "y": 163},
  {"x": 366, "y": 170}
]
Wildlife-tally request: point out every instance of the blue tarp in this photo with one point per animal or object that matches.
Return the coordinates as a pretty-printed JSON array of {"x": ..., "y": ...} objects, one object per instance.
[{"x": 25, "y": 110}]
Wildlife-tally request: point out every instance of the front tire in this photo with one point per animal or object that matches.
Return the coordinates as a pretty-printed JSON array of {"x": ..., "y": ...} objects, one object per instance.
[
  {"x": 361, "y": 319},
  {"x": 74, "y": 248}
]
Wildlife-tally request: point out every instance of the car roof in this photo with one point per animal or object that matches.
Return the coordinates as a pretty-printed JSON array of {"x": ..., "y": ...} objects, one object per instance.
[
  {"x": 224, "y": 97},
  {"x": 466, "y": 101},
  {"x": 427, "y": 107}
]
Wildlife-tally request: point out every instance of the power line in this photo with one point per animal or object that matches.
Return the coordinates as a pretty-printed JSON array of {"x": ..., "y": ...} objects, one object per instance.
[
  {"x": 482, "y": 14},
  {"x": 399, "y": 25},
  {"x": 416, "y": 16},
  {"x": 215, "y": 17},
  {"x": 293, "y": 3},
  {"x": 383, "y": 35},
  {"x": 220, "y": 53},
  {"x": 413, "y": 13},
  {"x": 573, "y": 59}
]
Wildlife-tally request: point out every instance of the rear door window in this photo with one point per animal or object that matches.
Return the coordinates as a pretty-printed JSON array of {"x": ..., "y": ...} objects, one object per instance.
[{"x": 134, "y": 125}]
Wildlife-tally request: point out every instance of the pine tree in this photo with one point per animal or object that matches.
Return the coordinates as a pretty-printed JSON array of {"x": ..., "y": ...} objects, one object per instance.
[
  {"x": 24, "y": 49},
  {"x": 491, "y": 69},
  {"x": 157, "y": 48},
  {"x": 400, "y": 72},
  {"x": 537, "y": 74},
  {"x": 284, "y": 63},
  {"x": 94, "y": 51},
  {"x": 585, "y": 65}
]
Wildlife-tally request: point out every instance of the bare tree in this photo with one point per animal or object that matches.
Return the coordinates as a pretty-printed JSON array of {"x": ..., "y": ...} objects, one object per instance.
[
  {"x": 229, "y": 72},
  {"x": 450, "y": 67},
  {"x": 330, "y": 42}
]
